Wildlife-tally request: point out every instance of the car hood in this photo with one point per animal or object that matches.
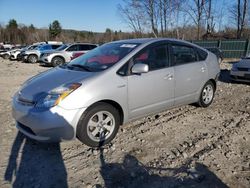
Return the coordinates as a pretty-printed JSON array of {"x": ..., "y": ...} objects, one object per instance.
[
  {"x": 41, "y": 84},
  {"x": 244, "y": 63},
  {"x": 31, "y": 51}
]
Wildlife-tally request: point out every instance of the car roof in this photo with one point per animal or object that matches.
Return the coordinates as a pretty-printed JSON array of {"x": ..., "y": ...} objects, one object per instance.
[{"x": 150, "y": 40}]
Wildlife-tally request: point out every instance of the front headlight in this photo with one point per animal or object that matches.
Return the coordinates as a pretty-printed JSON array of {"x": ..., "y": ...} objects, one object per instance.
[{"x": 55, "y": 96}]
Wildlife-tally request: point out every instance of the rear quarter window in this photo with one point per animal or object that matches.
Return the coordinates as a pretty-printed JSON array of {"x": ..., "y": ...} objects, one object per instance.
[{"x": 202, "y": 54}]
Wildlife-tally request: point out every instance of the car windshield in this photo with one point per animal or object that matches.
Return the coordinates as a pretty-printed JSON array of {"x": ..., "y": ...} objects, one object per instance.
[
  {"x": 103, "y": 57},
  {"x": 62, "y": 47}
]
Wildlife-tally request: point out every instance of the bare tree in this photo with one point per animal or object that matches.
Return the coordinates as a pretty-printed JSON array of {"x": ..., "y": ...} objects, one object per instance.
[
  {"x": 132, "y": 14},
  {"x": 239, "y": 13},
  {"x": 241, "y": 17},
  {"x": 151, "y": 10},
  {"x": 209, "y": 17},
  {"x": 195, "y": 9}
]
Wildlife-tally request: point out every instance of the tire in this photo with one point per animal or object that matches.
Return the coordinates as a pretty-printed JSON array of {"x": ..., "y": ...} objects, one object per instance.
[
  {"x": 207, "y": 95},
  {"x": 32, "y": 58},
  {"x": 90, "y": 128},
  {"x": 57, "y": 61},
  {"x": 6, "y": 56}
]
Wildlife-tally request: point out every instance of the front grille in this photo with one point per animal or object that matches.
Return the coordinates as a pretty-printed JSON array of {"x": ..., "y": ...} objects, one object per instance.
[
  {"x": 242, "y": 78},
  {"x": 243, "y": 69},
  {"x": 26, "y": 129}
]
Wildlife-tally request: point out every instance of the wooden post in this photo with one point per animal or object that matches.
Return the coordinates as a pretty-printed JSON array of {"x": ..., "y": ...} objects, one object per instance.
[{"x": 247, "y": 47}]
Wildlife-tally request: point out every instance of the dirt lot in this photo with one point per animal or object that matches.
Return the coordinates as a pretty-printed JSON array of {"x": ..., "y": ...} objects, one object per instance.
[{"x": 183, "y": 147}]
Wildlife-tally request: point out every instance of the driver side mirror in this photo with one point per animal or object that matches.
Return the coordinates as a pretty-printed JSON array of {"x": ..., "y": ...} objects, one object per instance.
[{"x": 140, "y": 68}]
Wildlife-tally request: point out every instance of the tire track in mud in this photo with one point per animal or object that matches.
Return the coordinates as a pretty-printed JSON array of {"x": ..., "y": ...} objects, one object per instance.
[{"x": 188, "y": 151}]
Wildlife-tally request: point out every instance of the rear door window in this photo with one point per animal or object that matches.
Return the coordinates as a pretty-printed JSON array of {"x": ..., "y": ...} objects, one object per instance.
[
  {"x": 83, "y": 47},
  {"x": 183, "y": 54},
  {"x": 72, "y": 48},
  {"x": 55, "y": 46}
]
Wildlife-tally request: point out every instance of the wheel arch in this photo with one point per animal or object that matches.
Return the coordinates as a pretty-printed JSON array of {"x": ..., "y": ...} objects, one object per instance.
[
  {"x": 33, "y": 55},
  {"x": 214, "y": 83},
  {"x": 59, "y": 57},
  {"x": 114, "y": 104}
]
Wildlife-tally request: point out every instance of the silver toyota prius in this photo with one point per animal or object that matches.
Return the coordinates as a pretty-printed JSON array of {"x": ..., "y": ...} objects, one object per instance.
[{"x": 90, "y": 97}]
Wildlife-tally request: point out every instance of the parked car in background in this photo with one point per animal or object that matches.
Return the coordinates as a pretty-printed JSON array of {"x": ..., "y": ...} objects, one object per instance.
[
  {"x": 3, "y": 52},
  {"x": 241, "y": 70},
  {"x": 14, "y": 54},
  {"x": 32, "y": 56},
  {"x": 90, "y": 97},
  {"x": 218, "y": 52},
  {"x": 65, "y": 53},
  {"x": 20, "y": 56},
  {"x": 76, "y": 55},
  {"x": 7, "y": 53}
]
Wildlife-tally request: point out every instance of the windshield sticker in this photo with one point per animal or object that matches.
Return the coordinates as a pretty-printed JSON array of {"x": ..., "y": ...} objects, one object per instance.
[{"x": 128, "y": 46}]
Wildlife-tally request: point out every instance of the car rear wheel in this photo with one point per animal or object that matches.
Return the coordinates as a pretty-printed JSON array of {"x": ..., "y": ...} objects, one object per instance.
[
  {"x": 207, "y": 94},
  {"x": 57, "y": 61},
  {"x": 98, "y": 125},
  {"x": 32, "y": 58}
]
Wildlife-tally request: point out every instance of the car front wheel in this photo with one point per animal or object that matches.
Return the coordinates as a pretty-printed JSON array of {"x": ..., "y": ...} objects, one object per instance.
[
  {"x": 32, "y": 58},
  {"x": 6, "y": 56},
  {"x": 98, "y": 125},
  {"x": 207, "y": 94},
  {"x": 57, "y": 61}
]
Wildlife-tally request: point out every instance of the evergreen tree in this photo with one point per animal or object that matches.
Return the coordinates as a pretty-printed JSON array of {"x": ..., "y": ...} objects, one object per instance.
[{"x": 55, "y": 29}]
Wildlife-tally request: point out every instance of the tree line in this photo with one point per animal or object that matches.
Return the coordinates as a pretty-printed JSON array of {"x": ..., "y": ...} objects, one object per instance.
[
  {"x": 183, "y": 19},
  {"x": 21, "y": 34}
]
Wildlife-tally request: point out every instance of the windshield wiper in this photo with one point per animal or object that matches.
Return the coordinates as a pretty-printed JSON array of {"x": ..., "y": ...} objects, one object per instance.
[{"x": 87, "y": 68}]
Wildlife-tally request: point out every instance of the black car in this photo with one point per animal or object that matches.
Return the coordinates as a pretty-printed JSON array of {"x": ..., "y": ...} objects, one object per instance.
[{"x": 218, "y": 52}]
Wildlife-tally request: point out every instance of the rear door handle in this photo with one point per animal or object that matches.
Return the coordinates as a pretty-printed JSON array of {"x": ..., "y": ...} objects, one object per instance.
[
  {"x": 203, "y": 69},
  {"x": 168, "y": 77}
]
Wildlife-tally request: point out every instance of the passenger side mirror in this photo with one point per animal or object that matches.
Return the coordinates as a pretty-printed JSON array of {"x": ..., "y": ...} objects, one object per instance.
[{"x": 140, "y": 68}]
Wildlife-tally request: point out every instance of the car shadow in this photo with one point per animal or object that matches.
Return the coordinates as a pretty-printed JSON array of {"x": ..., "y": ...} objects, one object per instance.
[
  {"x": 40, "y": 165},
  {"x": 133, "y": 174},
  {"x": 36, "y": 164}
]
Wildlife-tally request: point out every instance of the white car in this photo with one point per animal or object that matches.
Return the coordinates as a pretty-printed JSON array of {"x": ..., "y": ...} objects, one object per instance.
[
  {"x": 14, "y": 54},
  {"x": 8, "y": 54},
  {"x": 32, "y": 56},
  {"x": 65, "y": 53}
]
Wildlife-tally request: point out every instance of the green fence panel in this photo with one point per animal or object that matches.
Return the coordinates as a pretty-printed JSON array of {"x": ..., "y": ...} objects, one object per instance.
[
  {"x": 207, "y": 44},
  {"x": 233, "y": 48},
  {"x": 230, "y": 48},
  {"x": 248, "y": 48}
]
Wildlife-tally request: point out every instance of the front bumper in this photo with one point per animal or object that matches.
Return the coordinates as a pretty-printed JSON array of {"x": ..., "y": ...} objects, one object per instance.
[
  {"x": 45, "y": 60},
  {"x": 50, "y": 125},
  {"x": 242, "y": 76}
]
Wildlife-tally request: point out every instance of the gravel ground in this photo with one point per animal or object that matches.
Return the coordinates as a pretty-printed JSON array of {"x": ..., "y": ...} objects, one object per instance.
[{"x": 182, "y": 147}]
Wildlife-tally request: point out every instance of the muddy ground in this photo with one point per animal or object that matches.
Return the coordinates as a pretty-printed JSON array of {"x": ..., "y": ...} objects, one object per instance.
[{"x": 182, "y": 147}]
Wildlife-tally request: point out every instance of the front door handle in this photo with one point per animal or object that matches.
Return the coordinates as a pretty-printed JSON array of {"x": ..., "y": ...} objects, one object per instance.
[
  {"x": 203, "y": 69},
  {"x": 168, "y": 77}
]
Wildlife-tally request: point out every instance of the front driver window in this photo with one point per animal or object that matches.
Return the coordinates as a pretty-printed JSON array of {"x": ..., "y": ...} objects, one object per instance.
[{"x": 154, "y": 57}]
